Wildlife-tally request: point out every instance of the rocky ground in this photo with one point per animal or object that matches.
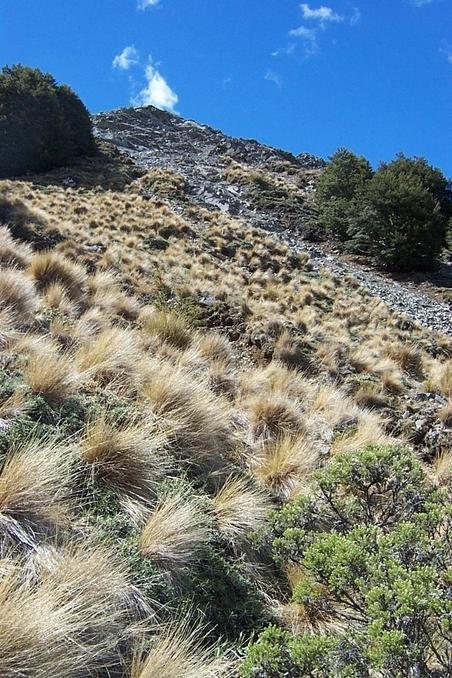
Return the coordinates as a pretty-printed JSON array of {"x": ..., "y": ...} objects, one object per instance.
[{"x": 156, "y": 139}]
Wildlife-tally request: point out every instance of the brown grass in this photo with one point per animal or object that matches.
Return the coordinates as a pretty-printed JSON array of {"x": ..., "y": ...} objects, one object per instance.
[
  {"x": 18, "y": 295},
  {"x": 180, "y": 650},
  {"x": 13, "y": 253},
  {"x": 240, "y": 509},
  {"x": 128, "y": 457},
  {"x": 175, "y": 533},
  {"x": 51, "y": 374},
  {"x": 34, "y": 491},
  {"x": 50, "y": 267}
]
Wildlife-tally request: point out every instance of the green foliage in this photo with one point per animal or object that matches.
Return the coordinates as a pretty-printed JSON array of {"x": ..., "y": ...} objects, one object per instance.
[
  {"x": 407, "y": 206},
  {"x": 42, "y": 124},
  {"x": 340, "y": 189},
  {"x": 373, "y": 542},
  {"x": 398, "y": 215}
]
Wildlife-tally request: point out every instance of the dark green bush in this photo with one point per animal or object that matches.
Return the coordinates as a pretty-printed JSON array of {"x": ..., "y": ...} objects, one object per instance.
[
  {"x": 373, "y": 542},
  {"x": 42, "y": 124},
  {"x": 407, "y": 209},
  {"x": 397, "y": 215},
  {"x": 340, "y": 189}
]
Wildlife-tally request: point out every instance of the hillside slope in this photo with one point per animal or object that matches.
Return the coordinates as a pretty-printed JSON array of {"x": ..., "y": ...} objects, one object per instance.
[{"x": 173, "y": 371}]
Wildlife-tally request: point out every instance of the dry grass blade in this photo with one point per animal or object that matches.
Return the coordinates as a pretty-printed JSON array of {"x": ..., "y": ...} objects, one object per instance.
[
  {"x": 51, "y": 374},
  {"x": 129, "y": 458},
  {"x": 175, "y": 533},
  {"x": 285, "y": 465},
  {"x": 12, "y": 252},
  {"x": 33, "y": 491},
  {"x": 50, "y": 267},
  {"x": 18, "y": 295},
  {"x": 240, "y": 509},
  {"x": 113, "y": 355},
  {"x": 180, "y": 650}
]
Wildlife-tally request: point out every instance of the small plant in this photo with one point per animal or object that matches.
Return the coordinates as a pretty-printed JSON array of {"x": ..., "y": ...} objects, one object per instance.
[{"x": 370, "y": 539}]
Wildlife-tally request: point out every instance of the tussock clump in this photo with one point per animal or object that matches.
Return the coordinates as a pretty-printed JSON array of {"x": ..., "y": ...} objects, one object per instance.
[
  {"x": 214, "y": 347},
  {"x": 198, "y": 422},
  {"x": 284, "y": 465},
  {"x": 273, "y": 417},
  {"x": 18, "y": 295},
  {"x": 441, "y": 378},
  {"x": 13, "y": 253},
  {"x": 50, "y": 267},
  {"x": 51, "y": 374},
  {"x": 368, "y": 431},
  {"x": 180, "y": 650},
  {"x": 114, "y": 355},
  {"x": 69, "y": 621},
  {"x": 167, "y": 326},
  {"x": 34, "y": 491},
  {"x": 240, "y": 509},
  {"x": 129, "y": 458},
  {"x": 175, "y": 533}
]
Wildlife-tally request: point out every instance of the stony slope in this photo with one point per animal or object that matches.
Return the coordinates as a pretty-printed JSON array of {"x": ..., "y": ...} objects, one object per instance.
[
  {"x": 203, "y": 155},
  {"x": 170, "y": 373}
]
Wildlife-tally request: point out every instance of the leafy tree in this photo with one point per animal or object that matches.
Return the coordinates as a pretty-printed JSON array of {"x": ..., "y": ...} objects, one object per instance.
[
  {"x": 42, "y": 124},
  {"x": 339, "y": 190},
  {"x": 403, "y": 223},
  {"x": 372, "y": 544}
]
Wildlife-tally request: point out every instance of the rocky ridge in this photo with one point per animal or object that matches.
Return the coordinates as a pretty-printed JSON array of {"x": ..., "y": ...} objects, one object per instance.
[{"x": 156, "y": 139}]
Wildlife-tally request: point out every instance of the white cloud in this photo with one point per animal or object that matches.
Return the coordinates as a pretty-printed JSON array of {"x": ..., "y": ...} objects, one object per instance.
[
  {"x": 157, "y": 92},
  {"x": 322, "y": 14},
  {"x": 308, "y": 36},
  {"x": 355, "y": 17},
  {"x": 284, "y": 50},
  {"x": 127, "y": 58},
  {"x": 144, "y": 4},
  {"x": 447, "y": 53},
  {"x": 421, "y": 3},
  {"x": 274, "y": 77}
]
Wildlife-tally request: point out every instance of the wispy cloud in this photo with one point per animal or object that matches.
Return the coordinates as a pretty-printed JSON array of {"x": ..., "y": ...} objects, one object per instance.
[
  {"x": 421, "y": 3},
  {"x": 285, "y": 50},
  {"x": 308, "y": 37},
  {"x": 144, "y": 4},
  {"x": 318, "y": 19},
  {"x": 126, "y": 59},
  {"x": 447, "y": 52},
  {"x": 157, "y": 91},
  {"x": 275, "y": 78},
  {"x": 322, "y": 14}
]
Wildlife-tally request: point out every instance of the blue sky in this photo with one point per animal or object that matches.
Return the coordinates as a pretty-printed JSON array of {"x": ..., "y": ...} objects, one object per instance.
[{"x": 372, "y": 75}]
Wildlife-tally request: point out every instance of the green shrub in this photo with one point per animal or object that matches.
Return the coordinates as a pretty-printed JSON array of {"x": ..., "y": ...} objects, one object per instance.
[
  {"x": 407, "y": 210},
  {"x": 42, "y": 124},
  {"x": 372, "y": 541},
  {"x": 340, "y": 189}
]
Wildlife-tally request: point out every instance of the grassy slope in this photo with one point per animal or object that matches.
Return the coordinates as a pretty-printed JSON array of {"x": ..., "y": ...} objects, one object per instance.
[{"x": 169, "y": 375}]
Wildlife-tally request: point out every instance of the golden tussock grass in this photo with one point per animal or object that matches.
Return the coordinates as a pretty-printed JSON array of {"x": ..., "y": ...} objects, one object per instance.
[
  {"x": 180, "y": 649},
  {"x": 68, "y": 620},
  {"x": 283, "y": 466},
  {"x": 18, "y": 295},
  {"x": 34, "y": 492},
  {"x": 440, "y": 378},
  {"x": 51, "y": 374},
  {"x": 168, "y": 326},
  {"x": 13, "y": 253},
  {"x": 368, "y": 431},
  {"x": 51, "y": 267},
  {"x": 198, "y": 422},
  {"x": 114, "y": 355},
  {"x": 129, "y": 457},
  {"x": 274, "y": 416},
  {"x": 175, "y": 533},
  {"x": 240, "y": 508}
]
